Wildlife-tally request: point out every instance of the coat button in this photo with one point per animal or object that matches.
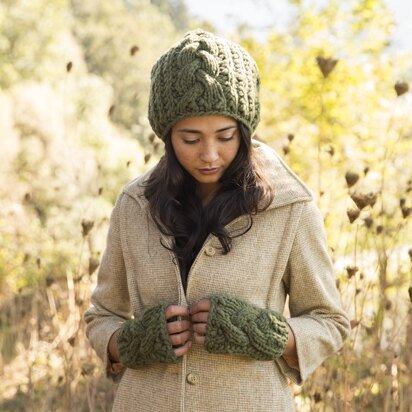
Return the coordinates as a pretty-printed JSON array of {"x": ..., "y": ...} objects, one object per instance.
[
  {"x": 210, "y": 251},
  {"x": 192, "y": 378}
]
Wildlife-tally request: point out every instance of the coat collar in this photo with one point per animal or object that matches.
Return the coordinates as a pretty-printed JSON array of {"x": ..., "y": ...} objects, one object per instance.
[{"x": 288, "y": 187}]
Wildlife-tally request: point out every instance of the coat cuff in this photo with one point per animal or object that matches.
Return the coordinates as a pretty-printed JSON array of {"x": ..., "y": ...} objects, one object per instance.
[
  {"x": 100, "y": 336},
  {"x": 315, "y": 342},
  {"x": 114, "y": 370},
  {"x": 291, "y": 373}
]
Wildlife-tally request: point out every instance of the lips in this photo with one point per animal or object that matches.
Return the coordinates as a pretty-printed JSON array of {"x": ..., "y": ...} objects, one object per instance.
[{"x": 209, "y": 171}]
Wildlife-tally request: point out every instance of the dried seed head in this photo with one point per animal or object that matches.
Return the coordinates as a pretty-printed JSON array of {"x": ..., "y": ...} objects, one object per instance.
[
  {"x": 330, "y": 150},
  {"x": 87, "y": 226},
  {"x": 351, "y": 178},
  {"x": 372, "y": 198},
  {"x": 93, "y": 265},
  {"x": 128, "y": 163},
  {"x": 286, "y": 149},
  {"x": 147, "y": 157},
  {"x": 379, "y": 229},
  {"x": 410, "y": 293},
  {"x": 401, "y": 88},
  {"x": 406, "y": 211},
  {"x": 69, "y": 67},
  {"x": 50, "y": 279},
  {"x": 72, "y": 340},
  {"x": 152, "y": 137},
  {"x": 402, "y": 202},
  {"x": 87, "y": 368},
  {"x": 337, "y": 283},
  {"x": 354, "y": 323},
  {"x": 353, "y": 214},
  {"x": 366, "y": 170},
  {"x": 364, "y": 199},
  {"x": 388, "y": 305},
  {"x": 410, "y": 254},
  {"x": 360, "y": 200},
  {"x": 317, "y": 397},
  {"x": 291, "y": 137},
  {"x": 133, "y": 50},
  {"x": 100, "y": 191},
  {"x": 111, "y": 110},
  {"x": 326, "y": 65},
  {"x": 38, "y": 263},
  {"x": 351, "y": 270},
  {"x": 368, "y": 222}
]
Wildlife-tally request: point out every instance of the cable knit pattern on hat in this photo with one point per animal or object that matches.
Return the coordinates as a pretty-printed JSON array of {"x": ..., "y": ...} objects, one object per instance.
[
  {"x": 145, "y": 340},
  {"x": 237, "y": 327},
  {"x": 203, "y": 75}
]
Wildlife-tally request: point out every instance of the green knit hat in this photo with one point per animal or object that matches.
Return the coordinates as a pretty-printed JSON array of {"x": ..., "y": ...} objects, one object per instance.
[{"x": 203, "y": 75}]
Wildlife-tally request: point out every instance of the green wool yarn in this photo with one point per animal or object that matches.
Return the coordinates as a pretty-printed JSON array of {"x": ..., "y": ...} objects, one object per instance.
[
  {"x": 237, "y": 327},
  {"x": 145, "y": 340},
  {"x": 203, "y": 75}
]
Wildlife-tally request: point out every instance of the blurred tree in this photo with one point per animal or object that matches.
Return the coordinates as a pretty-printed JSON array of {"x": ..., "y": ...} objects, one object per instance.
[
  {"x": 177, "y": 10},
  {"x": 30, "y": 45},
  {"x": 121, "y": 42}
]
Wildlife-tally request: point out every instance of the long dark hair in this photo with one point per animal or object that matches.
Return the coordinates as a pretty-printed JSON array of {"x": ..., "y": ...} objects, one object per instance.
[{"x": 178, "y": 211}]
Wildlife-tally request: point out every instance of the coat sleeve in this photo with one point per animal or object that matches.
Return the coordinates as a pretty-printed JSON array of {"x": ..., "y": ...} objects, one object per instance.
[
  {"x": 110, "y": 299},
  {"x": 317, "y": 320}
]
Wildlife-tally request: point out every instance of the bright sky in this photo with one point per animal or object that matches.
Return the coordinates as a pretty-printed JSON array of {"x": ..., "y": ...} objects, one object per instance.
[{"x": 224, "y": 14}]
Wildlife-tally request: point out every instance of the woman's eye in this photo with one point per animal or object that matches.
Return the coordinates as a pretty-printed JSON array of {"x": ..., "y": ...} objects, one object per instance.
[
  {"x": 190, "y": 141},
  {"x": 226, "y": 138}
]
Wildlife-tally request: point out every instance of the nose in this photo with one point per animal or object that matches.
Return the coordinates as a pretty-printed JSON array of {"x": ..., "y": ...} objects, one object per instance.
[{"x": 209, "y": 153}]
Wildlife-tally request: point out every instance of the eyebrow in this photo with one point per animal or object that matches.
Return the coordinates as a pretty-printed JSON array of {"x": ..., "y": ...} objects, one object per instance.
[{"x": 200, "y": 132}]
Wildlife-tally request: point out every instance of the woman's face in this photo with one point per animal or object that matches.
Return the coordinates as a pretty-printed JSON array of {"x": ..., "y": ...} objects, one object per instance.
[{"x": 205, "y": 146}]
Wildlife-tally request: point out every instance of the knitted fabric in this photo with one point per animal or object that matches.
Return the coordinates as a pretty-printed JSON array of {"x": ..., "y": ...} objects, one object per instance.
[
  {"x": 145, "y": 339},
  {"x": 237, "y": 327},
  {"x": 203, "y": 75}
]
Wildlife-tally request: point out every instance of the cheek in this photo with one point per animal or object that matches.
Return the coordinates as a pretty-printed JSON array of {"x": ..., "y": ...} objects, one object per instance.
[
  {"x": 231, "y": 154},
  {"x": 185, "y": 157}
]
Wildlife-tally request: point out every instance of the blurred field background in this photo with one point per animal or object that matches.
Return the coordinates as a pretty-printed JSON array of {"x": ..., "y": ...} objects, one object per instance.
[{"x": 74, "y": 79}]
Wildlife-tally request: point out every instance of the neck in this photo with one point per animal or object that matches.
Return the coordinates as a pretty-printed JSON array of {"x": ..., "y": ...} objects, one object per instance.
[{"x": 207, "y": 192}]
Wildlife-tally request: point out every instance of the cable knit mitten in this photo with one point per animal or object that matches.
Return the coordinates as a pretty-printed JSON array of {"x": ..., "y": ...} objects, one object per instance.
[
  {"x": 145, "y": 339},
  {"x": 237, "y": 327}
]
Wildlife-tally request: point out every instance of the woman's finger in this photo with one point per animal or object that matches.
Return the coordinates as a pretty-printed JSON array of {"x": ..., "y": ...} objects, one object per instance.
[
  {"x": 182, "y": 350},
  {"x": 180, "y": 338},
  {"x": 202, "y": 306},
  {"x": 200, "y": 317},
  {"x": 199, "y": 339},
  {"x": 199, "y": 328},
  {"x": 178, "y": 326},
  {"x": 176, "y": 310}
]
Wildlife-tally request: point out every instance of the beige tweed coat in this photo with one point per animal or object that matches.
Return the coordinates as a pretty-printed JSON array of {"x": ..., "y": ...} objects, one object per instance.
[{"x": 284, "y": 254}]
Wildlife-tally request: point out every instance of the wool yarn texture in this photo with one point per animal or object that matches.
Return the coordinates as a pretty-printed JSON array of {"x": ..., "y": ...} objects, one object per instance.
[
  {"x": 237, "y": 327},
  {"x": 145, "y": 340},
  {"x": 203, "y": 75}
]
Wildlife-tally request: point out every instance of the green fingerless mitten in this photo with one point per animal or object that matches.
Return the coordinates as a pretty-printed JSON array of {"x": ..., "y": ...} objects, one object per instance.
[
  {"x": 145, "y": 339},
  {"x": 237, "y": 327}
]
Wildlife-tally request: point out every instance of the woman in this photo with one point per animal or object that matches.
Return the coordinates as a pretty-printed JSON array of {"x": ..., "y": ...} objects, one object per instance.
[{"x": 203, "y": 250}]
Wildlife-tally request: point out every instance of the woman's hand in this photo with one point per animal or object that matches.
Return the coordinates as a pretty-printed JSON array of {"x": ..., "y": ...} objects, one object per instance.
[
  {"x": 199, "y": 314},
  {"x": 290, "y": 354},
  {"x": 179, "y": 330}
]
